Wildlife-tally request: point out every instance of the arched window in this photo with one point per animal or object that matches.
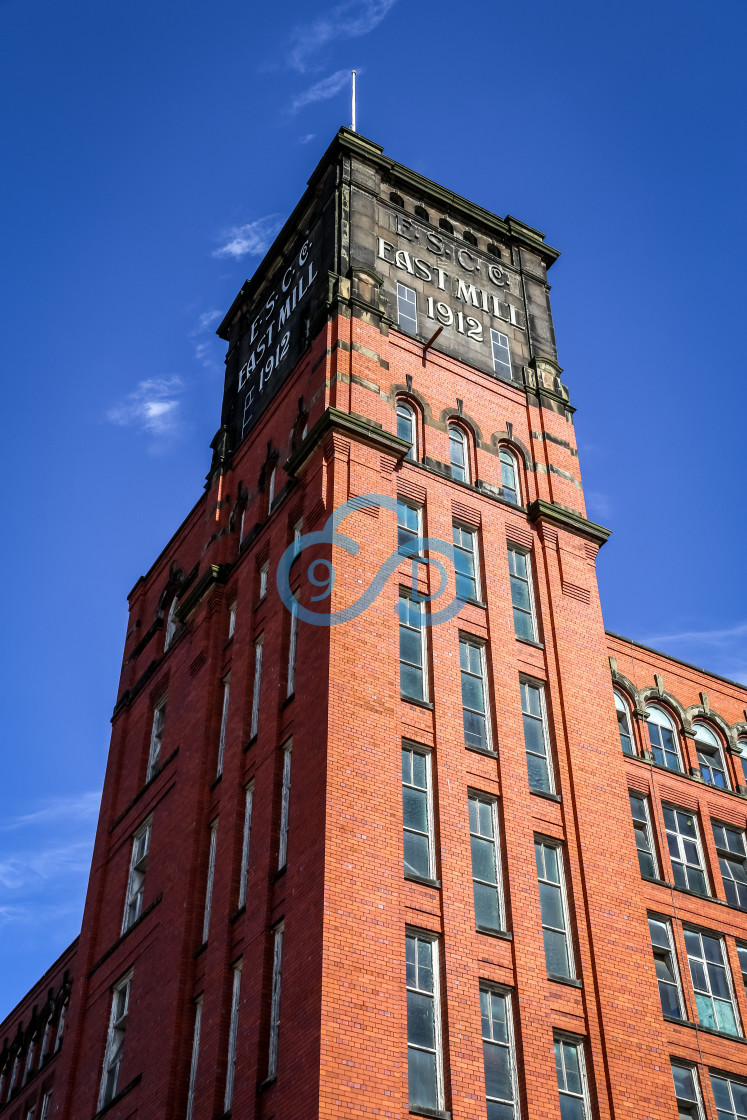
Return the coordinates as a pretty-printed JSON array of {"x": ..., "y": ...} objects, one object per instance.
[
  {"x": 509, "y": 477},
  {"x": 742, "y": 744},
  {"x": 407, "y": 428},
  {"x": 421, "y": 212},
  {"x": 494, "y": 250},
  {"x": 623, "y": 724},
  {"x": 710, "y": 756},
  {"x": 445, "y": 224},
  {"x": 397, "y": 199},
  {"x": 663, "y": 738},
  {"x": 171, "y": 624},
  {"x": 469, "y": 237},
  {"x": 458, "y": 453}
]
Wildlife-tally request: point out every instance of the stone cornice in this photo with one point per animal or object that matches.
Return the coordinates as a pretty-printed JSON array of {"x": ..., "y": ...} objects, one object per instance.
[
  {"x": 356, "y": 427},
  {"x": 216, "y": 573},
  {"x": 565, "y": 518}
]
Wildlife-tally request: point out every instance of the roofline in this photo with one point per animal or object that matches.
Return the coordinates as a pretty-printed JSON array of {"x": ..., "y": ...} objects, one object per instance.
[
  {"x": 346, "y": 140},
  {"x": 44, "y": 976},
  {"x": 677, "y": 660}
]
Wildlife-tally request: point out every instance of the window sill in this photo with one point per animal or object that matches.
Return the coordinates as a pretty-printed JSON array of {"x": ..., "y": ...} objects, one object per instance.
[
  {"x": 216, "y": 782},
  {"x": 501, "y": 934},
  {"x": 569, "y": 981},
  {"x": 268, "y": 1082},
  {"x": 239, "y": 914},
  {"x": 154, "y": 777},
  {"x": 482, "y": 750},
  {"x": 530, "y": 642},
  {"x": 705, "y": 1030},
  {"x": 435, "y": 883},
  {"x": 201, "y": 949},
  {"x": 697, "y": 894},
  {"x": 418, "y": 703},
  {"x": 118, "y": 1096},
  {"x": 280, "y": 872},
  {"x": 436, "y": 1113},
  {"x": 251, "y": 743},
  {"x": 130, "y": 929},
  {"x": 653, "y": 879},
  {"x": 547, "y": 796},
  {"x": 287, "y": 700},
  {"x": 476, "y": 603}
]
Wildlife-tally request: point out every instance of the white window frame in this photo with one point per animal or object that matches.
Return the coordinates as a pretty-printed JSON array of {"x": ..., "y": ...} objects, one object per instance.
[
  {"x": 702, "y": 959},
  {"x": 697, "y": 1099},
  {"x": 728, "y": 855},
  {"x": 263, "y": 575},
  {"x": 649, "y": 831},
  {"x": 271, "y": 491},
  {"x": 730, "y": 1080},
  {"x": 46, "y": 1105},
  {"x": 624, "y": 725},
  {"x": 488, "y": 799},
  {"x": 742, "y": 745},
  {"x": 433, "y": 940},
  {"x": 256, "y": 688},
  {"x": 506, "y": 457},
  {"x": 246, "y": 842},
  {"x": 514, "y": 550},
  {"x": 742, "y": 956},
  {"x": 44, "y": 1042},
  {"x": 458, "y": 435},
  {"x": 539, "y": 686},
  {"x": 210, "y": 879},
  {"x": 499, "y": 341},
  {"x": 233, "y": 1031},
  {"x": 297, "y": 534},
  {"x": 404, "y": 409},
  {"x": 277, "y": 982},
  {"x": 285, "y": 806},
  {"x": 115, "y": 1038},
  {"x": 406, "y": 593},
  {"x": 658, "y": 951},
  {"x": 418, "y": 511},
  {"x": 473, "y": 642},
  {"x": 702, "y": 866},
  {"x": 579, "y": 1044},
  {"x": 425, "y": 753},
  {"x": 27, "y": 1066},
  {"x": 549, "y": 842},
  {"x": 232, "y": 620},
  {"x": 666, "y": 721},
  {"x": 292, "y": 647},
  {"x": 489, "y": 989},
  {"x": 171, "y": 623},
  {"x": 474, "y": 552},
  {"x": 407, "y": 309},
  {"x": 195, "y": 1058},
  {"x": 137, "y": 873},
  {"x": 223, "y": 724},
  {"x": 156, "y": 739},
  {"x": 60, "y": 1026},
  {"x": 711, "y": 745}
]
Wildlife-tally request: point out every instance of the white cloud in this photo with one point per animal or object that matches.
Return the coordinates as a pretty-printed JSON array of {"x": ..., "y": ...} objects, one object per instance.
[
  {"x": 350, "y": 20},
  {"x": 250, "y": 240},
  {"x": 307, "y": 138},
  {"x": 153, "y": 407},
  {"x": 321, "y": 91},
  {"x": 717, "y": 637},
  {"x": 207, "y": 320},
  {"x": 77, "y": 807},
  {"x": 718, "y": 650},
  {"x": 207, "y": 348}
]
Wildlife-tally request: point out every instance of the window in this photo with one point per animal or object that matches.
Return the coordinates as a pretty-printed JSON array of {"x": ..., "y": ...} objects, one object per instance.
[
  {"x": 709, "y": 972},
  {"x": 223, "y": 725},
  {"x": 156, "y": 737},
  {"x": 554, "y": 907},
  {"x": 60, "y": 1027},
  {"x": 501, "y": 354},
  {"x": 136, "y": 880},
  {"x": 486, "y": 862},
  {"x": 730, "y": 1096},
  {"x": 466, "y": 562},
  {"x": 257, "y": 684},
  {"x": 44, "y": 1042},
  {"x": 249, "y": 797},
  {"x": 115, "y": 1040},
  {"x": 687, "y": 1092},
  {"x": 231, "y": 620},
  {"x": 536, "y": 738},
  {"x": 263, "y": 571},
  {"x": 284, "y": 807},
  {"x": 210, "y": 878},
  {"x": 297, "y": 534},
  {"x": 417, "y": 814},
  {"x": 469, "y": 237},
  {"x": 409, "y": 527},
  {"x": 623, "y": 725},
  {"x": 685, "y": 851},
  {"x": 292, "y": 644},
  {"x": 407, "y": 309},
  {"x": 732, "y": 859},
  {"x": 501, "y": 1088},
  {"x": 425, "y": 1078},
  {"x": 46, "y": 1105},
  {"x": 644, "y": 840},
  {"x": 509, "y": 477},
  {"x": 29, "y": 1063},
  {"x": 742, "y": 954},
  {"x": 474, "y": 688},
  {"x": 195, "y": 1057},
  {"x": 233, "y": 1030},
  {"x": 271, "y": 490},
  {"x": 30, "y": 1113},
  {"x": 572, "y": 1090},
  {"x": 522, "y": 593},
  {"x": 742, "y": 744},
  {"x": 665, "y": 960},
  {"x": 412, "y": 665},
  {"x": 458, "y": 453},
  {"x": 710, "y": 757},
  {"x": 406, "y": 429},
  {"x": 663, "y": 739},
  {"x": 277, "y": 971},
  {"x": 171, "y": 624}
]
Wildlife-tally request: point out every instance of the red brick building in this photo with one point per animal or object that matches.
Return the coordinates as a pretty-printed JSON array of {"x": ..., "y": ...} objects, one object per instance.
[{"x": 410, "y": 858}]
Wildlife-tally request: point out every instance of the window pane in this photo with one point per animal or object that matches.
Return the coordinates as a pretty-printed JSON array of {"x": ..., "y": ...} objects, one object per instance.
[
  {"x": 487, "y": 912},
  {"x": 556, "y": 953},
  {"x": 421, "y": 1027},
  {"x": 421, "y": 1072},
  {"x": 539, "y": 776}
]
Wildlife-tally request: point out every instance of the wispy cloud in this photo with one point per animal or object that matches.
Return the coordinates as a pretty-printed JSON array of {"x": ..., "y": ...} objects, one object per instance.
[
  {"x": 345, "y": 21},
  {"x": 76, "y": 808},
  {"x": 204, "y": 340},
  {"x": 598, "y": 503},
  {"x": 250, "y": 240},
  {"x": 721, "y": 650},
  {"x": 321, "y": 91},
  {"x": 153, "y": 407},
  {"x": 307, "y": 138},
  {"x": 716, "y": 636}
]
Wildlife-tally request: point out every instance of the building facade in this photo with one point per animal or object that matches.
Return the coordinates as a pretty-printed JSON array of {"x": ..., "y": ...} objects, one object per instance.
[{"x": 390, "y": 824}]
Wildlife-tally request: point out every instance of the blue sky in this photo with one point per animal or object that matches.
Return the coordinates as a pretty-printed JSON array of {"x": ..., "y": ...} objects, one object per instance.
[{"x": 152, "y": 150}]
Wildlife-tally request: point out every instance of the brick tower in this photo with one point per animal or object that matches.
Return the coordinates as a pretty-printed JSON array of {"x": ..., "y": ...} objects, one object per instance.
[{"x": 365, "y": 844}]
